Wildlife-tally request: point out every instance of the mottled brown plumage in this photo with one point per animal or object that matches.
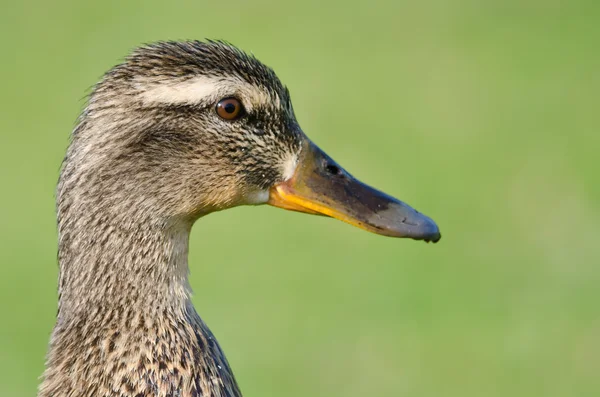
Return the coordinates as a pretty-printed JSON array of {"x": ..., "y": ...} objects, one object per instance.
[
  {"x": 135, "y": 178},
  {"x": 148, "y": 157}
]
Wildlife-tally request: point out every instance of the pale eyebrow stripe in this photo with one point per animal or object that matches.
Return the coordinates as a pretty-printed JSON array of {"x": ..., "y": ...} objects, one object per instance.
[
  {"x": 192, "y": 91},
  {"x": 204, "y": 89}
]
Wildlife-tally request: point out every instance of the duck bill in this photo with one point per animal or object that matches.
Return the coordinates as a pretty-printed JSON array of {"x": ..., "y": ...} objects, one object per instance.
[{"x": 320, "y": 186}]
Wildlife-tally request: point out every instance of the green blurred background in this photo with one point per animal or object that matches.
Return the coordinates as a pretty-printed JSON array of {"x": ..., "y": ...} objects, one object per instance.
[{"x": 482, "y": 114}]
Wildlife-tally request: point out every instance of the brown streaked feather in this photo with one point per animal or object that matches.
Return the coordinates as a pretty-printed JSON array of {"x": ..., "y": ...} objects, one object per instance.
[{"x": 136, "y": 176}]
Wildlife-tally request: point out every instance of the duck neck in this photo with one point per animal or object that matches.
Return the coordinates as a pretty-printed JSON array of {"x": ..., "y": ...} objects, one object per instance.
[
  {"x": 126, "y": 325},
  {"x": 120, "y": 264}
]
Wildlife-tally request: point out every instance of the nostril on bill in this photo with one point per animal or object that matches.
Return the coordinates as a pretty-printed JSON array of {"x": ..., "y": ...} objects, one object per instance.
[{"x": 333, "y": 169}]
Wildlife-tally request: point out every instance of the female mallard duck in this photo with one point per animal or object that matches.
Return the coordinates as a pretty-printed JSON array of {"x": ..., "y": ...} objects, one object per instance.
[{"x": 179, "y": 130}]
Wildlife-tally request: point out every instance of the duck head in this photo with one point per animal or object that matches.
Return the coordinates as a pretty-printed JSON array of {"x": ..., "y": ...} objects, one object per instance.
[{"x": 189, "y": 128}]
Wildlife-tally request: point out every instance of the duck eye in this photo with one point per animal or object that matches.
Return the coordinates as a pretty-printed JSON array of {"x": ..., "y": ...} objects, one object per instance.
[{"x": 229, "y": 108}]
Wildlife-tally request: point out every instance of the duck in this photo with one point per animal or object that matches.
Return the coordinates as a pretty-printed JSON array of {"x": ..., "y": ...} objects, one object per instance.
[{"x": 178, "y": 130}]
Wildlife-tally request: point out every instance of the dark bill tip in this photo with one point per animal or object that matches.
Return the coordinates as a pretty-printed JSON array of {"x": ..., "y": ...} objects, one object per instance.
[{"x": 401, "y": 220}]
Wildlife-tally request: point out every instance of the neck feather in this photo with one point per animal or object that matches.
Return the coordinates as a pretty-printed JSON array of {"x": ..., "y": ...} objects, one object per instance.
[
  {"x": 126, "y": 324},
  {"x": 112, "y": 263}
]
